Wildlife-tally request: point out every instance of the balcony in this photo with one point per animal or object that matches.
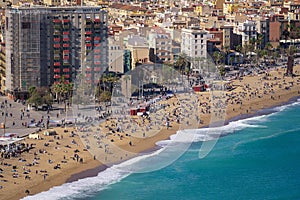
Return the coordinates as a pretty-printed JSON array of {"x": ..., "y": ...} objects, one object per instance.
[
  {"x": 56, "y": 76},
  {"x": 66, "y": 58},
  {"x": 88, "y": 39},
  {"x": 56, "y": 64},
  {"x": 97, "y": 38},
  {"x": 66, "y": 45},
  {"x": 67, "y": 75},
  {"x": 66, "y": 26},
  {"x": 56, "y": 39},
  {"x": 97, "y": 62},
  {"x": 56, "y": 21},
  {"x": 88, "y": 69},
  {"x": 97, "y": 69},
  {"x": 66, "y": 32},
  {"x": 96, "y": 20},
  {"x": 88, "y": 44},
  {"x": 66, "y": 21},
  {"x": 56, "y": 45},
  {"x": 65, "y": 65},
  {"x": 66, "y": 51},
  {"x": 97, "y": 57},
  {"x": 66, "y": 39},
  {"x": 66, "y": 70},
  {"x": 56, "y": 32},
  {"x": 97, "y": 51},
  {"x": 97, "y": 26},
  {"x": 57, "y": 27},
  {"x": 88, "y": 75},
  {"x": 97, "y": 45},
  {"x": 57, "y": 70},
  {"x": 88, "y": 26},
  {"x": 88, "y": 32},
  {"x": 56, "y": 56}
]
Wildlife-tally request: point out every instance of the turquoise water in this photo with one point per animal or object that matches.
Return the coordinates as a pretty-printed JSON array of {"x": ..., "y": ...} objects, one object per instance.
[
  {"x": 254, "y": 163},
  {"x": 260, "y": 159}
]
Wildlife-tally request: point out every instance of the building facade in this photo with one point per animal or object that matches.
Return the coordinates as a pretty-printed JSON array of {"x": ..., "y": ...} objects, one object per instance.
[
  {"x": 160, "y": 44},
  {"x": 45, "y": 44},
  {"x": 194, "y": 42},
  {"x": 248, "y": 31}
]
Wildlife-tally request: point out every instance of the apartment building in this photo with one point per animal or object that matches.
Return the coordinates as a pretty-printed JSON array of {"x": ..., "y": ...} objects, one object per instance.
[
  {"x": 44, "y": 44},
  {"x": 263, "y": 28},
  {"x": 160, "y": 44},
  {"x": 248, "y": 31},
  {"x": 194, "y": 42},
  {"x": 115, "y": 56}
]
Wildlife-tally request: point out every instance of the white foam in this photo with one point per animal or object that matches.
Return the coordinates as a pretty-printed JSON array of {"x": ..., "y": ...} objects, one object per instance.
[
  {"x": 83, "y": 187},
  {"x": 207, "y": 134},
  {"x": 283, "y": 107}
]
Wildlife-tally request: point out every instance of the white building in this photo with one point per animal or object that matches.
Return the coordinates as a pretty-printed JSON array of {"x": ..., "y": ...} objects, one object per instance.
[
  {"x": 160, "y": 44},
  {"x": 194, "y": 42},
  {"x": 248, "y": 30}
]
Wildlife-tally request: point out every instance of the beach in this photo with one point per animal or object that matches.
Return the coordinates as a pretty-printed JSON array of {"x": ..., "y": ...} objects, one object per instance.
[{"x": 36, "y": 171}]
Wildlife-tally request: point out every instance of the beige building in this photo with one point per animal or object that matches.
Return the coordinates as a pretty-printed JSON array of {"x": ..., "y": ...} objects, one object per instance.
[
  {"x": 53, "y": 2},
  {"x": 139, "y": 49},
  {"x": 115, "y": 56}
]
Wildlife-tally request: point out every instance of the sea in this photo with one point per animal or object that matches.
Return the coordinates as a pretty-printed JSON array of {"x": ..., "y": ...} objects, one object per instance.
[{"x": 256, "y": 158}]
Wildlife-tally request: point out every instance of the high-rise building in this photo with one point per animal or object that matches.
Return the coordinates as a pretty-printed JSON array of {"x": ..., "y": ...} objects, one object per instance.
[{"x": 44, "y": 44}]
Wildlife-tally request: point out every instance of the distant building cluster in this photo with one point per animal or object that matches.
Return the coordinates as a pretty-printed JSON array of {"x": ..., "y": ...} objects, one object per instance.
[{"x": 45, "y": 40}]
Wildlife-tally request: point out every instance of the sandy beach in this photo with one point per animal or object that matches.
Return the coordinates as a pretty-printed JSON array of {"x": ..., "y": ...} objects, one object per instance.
[{"x": 53, "y": 160}]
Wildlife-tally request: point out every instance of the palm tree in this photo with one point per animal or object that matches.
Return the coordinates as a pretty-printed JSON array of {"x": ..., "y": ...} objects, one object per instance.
[
  {"x": 259, "y": 40},
  {"x": 182, "y": 62},
  {"x": 218, "y": 56},
  {"x": 62, "y": 90},
  {"x": 290, "y": 64}
]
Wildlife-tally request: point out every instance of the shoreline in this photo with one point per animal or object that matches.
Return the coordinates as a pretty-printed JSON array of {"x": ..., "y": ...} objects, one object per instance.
[
  {"x": 265, "y": 111},
  {"x": 234, "y": 112}
]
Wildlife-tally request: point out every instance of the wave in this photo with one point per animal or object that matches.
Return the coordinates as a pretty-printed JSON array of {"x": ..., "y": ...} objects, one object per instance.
[
  {"x": 283, "y": 107},
  {"x": 83, "y": 187},
  {"x": 181, "y": 140},
  {"x": 207, "y": 134}
]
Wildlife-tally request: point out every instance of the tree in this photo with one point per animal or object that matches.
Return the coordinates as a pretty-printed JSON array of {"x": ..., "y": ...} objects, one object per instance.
[
  {"x": 35, "y": 99},
  {"x": 218, "y": 56},
  {"x": 39, "y": 96},
  {"x": 290, "y": 64},
  {"x": 222, "y": 71},
  {"x": 182, "y": 62},
  {"x": 104, "y": 96},
  {"x": 62, "y": 90}
]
